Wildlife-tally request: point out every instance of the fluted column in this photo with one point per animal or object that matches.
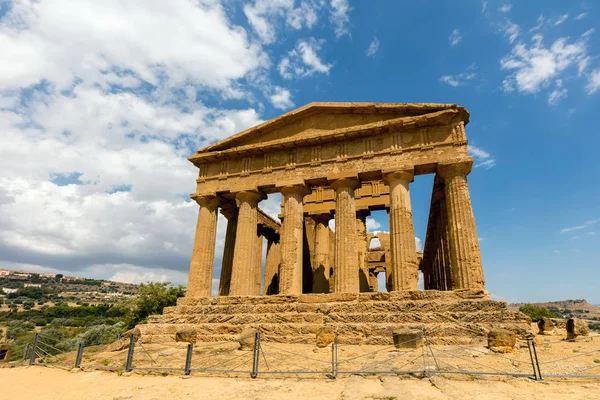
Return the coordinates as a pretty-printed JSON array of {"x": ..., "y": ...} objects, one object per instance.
[
  {"x": 361, "y": 241},
  {"x": 272, "y": 267},
  {"x": 258, "y": 265},
  {"x": 231, "y": 213},
  {"x": 243, "y": 271},
  {"x": 405, "y": 270},
  {"x": 203, "y": 252},
  {"x": 292, "y": 230},
  {"x": 346, "y": 251},
  {"x": 465, "y": 256},
  {"x": 321, "y": 265}
]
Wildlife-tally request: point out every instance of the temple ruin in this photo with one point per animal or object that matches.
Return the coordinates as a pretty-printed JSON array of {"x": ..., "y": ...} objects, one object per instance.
[{"x": 335, "y": 161}]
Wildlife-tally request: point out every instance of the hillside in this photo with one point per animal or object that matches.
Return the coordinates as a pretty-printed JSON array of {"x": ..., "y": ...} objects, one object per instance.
[
  {"x": 21, "y": 290},
  {"x": 567, "y": 309}
]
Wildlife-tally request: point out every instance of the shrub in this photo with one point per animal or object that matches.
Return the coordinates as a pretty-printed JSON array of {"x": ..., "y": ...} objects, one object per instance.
[
  {"x": 100, "y": 334},
  {"x": 537, "y": 312}
]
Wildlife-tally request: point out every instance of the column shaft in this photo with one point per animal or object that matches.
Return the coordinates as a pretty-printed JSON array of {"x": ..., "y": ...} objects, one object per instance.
[
  {"x": 346, "y": 251},
  {"x": 272, "y": 268},
  {"x": 321, "y": 265},
  {"x": 203, "y": 252},
  {"x": 258, "y": 265},
  {"x": 361, "y": 242},
  {"x": 465, "y": 256},
  {"x": 243, "y": 271},
  {"x": 405, "y": 270},
  {"x": 291, "y": 239},
  {"x": 228, "y": 250}
]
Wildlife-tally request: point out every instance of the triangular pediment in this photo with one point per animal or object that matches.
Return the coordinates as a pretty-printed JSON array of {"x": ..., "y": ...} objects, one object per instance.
[{"x": 320, "y": 122}]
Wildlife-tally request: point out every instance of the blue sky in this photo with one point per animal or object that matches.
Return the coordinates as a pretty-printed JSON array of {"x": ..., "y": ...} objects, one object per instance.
[{"x": 100, "y": 103}]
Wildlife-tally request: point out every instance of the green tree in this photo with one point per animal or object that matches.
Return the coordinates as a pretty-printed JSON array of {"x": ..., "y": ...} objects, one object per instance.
[
  {"x": 537, "y": 312},
  {"x": 153, "y": 297}
]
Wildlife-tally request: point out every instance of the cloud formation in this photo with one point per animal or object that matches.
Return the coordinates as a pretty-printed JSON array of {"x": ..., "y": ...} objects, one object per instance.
[
  {"x": 303, "y": 60},
  {"x": 373, "y": 47}
]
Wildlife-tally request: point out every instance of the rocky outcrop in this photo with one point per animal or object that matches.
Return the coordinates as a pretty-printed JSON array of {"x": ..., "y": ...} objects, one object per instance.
[
  {"x": 545, "y": 326},
  {"x": 576, "y": 327},
  {"x": 501, "y": 341},
  {"x": 325, "y": 336},
  {"x": 408, "y": 339}
]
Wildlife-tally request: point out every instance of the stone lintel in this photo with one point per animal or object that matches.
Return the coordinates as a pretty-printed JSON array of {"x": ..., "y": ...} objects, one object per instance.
[
  {"x": 256, "y": 195},
  {"x": 204, "y": 198}
]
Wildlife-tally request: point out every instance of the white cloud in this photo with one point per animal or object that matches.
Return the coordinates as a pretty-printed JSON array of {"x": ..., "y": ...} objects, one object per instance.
[
  {"x": 534, "y": 67},
  {"x": 104, "y": 94},
  {"x": 303, "y": 60},
  {"x": 418, "y": 244},
  {"x": 594, "y": 82},
  {"x": 580, "y": 227},
  {"x": 581, "y": 16},
  {"x": 511, "y": 30},
  {"x": 460, "y": 79},
  {"x": 561, "y": 19},
  {"x": 455, "y": 37},
  {"x": 592, "y": 233},
  {"x": 281, "y": 98},
  {"x": 373, "y": 47},
  {"x": 123, "y": 43},
  {"x": 339, "y": 17},
  {"x": 482, "y": 158},
  {"x": 263, "y": 16},
  {"x": 372, "y": 224},
  {"x": 505, "y": 8}
]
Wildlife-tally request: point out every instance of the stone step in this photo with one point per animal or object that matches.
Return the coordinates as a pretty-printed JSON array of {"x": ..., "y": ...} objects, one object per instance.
[
  {"x": 416, "y": 295},
  {"x": 339, "y": 307},
  {"x": 391, "y": 317},
  {"x": 355, "y": 330}
]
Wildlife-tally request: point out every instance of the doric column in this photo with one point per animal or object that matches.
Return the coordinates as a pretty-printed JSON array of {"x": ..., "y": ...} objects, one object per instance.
[
  {"x": 272, "y": 267},
  {"x": 361, "y": 241},
  {"x": 465, "y": 256},
  {"x": 243, "y": 271},
  {"x": 292, "y": 230},
  {"x": 231, "y": 213},
  {"x": 346, "y": 251},
  {"x": 258, "y": 258},
  {"x": 203, "y": 252},
  {"x": 321, "y": 265},
  {"x": 405, "y": 270}
]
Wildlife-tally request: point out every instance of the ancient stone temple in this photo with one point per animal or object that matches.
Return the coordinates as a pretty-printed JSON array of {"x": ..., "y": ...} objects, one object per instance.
[{"x": 336, "y": 161}]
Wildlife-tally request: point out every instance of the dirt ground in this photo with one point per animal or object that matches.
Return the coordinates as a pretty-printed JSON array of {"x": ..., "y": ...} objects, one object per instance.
[{"x": 43, "y": 383}]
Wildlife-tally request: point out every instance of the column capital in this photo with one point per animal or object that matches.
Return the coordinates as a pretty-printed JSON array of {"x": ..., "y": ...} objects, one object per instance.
[
  {"x": 209, "y": 201},
  {"x": 338, "y": 183},
  {"x": 456, "y": 167},
  {"x": 405, "y": 174},
  {"x": 300, "y": 189},
  {"x": 250, "y": 195},
  {"x": 323, "y": 218},
  {"x": 229, "y": 210},
  {"x": 363, "y": 213}
]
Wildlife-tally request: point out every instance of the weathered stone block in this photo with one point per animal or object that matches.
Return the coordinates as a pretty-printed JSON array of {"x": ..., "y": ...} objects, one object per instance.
[
  {"x": 545, "y": 326},
  {"x": 188, "y": 335},
  {"x": 325, "y": 336},
  {"x": 501, "y": 341},
  {"x": 246, "y": 338},
  {"x": 576, "y": 327},
  {"x": 408, "y": 338}
]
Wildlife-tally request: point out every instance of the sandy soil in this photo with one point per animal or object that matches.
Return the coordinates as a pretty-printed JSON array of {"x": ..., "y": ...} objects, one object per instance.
[{"x": 43, "y": 383}]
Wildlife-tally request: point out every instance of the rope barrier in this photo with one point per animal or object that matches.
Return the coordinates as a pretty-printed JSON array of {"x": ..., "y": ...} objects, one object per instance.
[
  {"x": 297, "y": 354},
  {"x": 290, "y": 363},
  {"x": 570, "y": 357}
]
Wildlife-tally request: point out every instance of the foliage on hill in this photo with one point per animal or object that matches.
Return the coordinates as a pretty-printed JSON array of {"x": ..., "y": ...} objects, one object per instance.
[
  {"x": 62, "y": 327},
  {"x": 537, "y": 312}
]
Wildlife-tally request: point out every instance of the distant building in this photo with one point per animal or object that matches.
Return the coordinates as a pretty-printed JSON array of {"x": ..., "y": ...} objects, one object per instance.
[
  {"x": 32, "y": 285},
  {"x": 48, "y": 275},
  {"x": 70, "y": 278},
  {"x": 4, "y": 273},
  {"x": 9, "y": 290},
  {"x": 19, "y": 277}
]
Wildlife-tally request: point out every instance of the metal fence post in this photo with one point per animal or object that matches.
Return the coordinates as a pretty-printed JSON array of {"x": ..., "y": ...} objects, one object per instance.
[
  {"x": 188, "y": 358},
  {"x": 128, "y": 365},
  {"x": 529, "y": 342},
  {"x": 36, "y": 339},
  {"x": 255, "y": 355},
  {"x": 334, "y": 363},
  {"x": 79, "y": 355},
  {"x": 536, "y": 360},
  {"x": 26, "y": 351}
]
